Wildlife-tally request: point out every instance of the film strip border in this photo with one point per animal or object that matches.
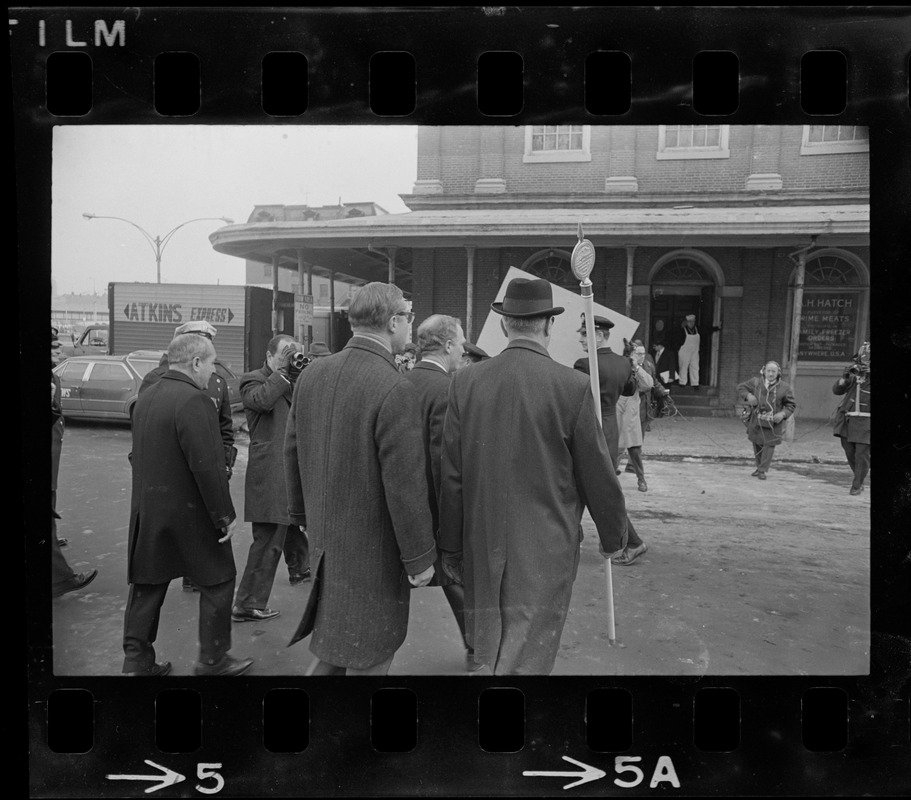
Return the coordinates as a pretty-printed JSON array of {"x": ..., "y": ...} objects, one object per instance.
[
  {"x": 367, "y": 737},
  {"x": 491, "y": 65},
  {"x": 458, "y": 66}
]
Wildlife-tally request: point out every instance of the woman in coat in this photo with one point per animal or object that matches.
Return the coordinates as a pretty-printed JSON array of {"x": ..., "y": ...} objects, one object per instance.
[
  {"x": 771, "y": 401},
  {"x": 629, "y": 418}
]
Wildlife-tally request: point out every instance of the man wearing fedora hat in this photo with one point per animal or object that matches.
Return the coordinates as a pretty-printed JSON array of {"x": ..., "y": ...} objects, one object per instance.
[
  {"x": 523, "y": 455},
  {"x": 616, "y": 378},
  {"x": 318, "y": 350}
]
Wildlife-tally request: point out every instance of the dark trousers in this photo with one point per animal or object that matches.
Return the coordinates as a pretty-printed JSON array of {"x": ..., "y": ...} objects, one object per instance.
[
  {"x": 297, "y": 551},
  {"x": 61, "y": 572},
  {"x": 635, "y": 461},
  {"x": 763, "y": 454},
  {"x": 455, "y": 596},
  {"x": 140, "y": 624},
  {"x": 858, "y": 455},
  {"x": 262, "y": 561}
]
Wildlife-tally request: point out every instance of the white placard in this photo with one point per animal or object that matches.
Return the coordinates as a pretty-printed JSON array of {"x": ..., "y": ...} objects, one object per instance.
[{"x": 564, "y": 343}]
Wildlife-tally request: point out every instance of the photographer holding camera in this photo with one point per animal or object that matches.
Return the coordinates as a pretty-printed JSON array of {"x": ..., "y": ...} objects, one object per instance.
[
  {"x": 266, "y": 395},
  {"x": 852, "y": 417}
]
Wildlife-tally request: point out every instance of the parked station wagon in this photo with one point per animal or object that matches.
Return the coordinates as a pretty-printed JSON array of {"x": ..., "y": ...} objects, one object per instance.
[{"x": 106, "y": 387}]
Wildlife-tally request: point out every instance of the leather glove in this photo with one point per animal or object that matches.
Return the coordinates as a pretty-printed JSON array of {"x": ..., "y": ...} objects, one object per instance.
[
  {"x": 284, "y": 361},
  {"x": 452, "y": 566}
]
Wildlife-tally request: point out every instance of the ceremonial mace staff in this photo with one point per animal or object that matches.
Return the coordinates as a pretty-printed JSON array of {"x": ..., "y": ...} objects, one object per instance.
[{"x": 582, "y": 262}]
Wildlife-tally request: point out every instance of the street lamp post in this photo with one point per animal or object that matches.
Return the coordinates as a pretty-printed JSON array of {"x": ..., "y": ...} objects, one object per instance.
[{"x": 158, "y": 243}]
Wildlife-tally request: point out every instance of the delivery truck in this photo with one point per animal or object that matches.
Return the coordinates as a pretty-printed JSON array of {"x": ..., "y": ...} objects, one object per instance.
[{"x": 143, "y": 316}]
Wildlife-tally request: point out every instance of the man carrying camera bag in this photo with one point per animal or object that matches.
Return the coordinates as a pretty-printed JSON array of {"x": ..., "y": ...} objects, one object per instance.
[{"x": 266, "y": 394}]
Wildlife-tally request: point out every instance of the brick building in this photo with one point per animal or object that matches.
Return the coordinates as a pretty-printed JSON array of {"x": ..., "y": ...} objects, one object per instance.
[{"x": 714, "y": 220}]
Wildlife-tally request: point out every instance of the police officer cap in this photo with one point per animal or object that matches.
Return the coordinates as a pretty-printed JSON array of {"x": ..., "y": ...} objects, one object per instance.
[
  {"x": 199, "y": 326},
  {"x": 600, "y": 322}
]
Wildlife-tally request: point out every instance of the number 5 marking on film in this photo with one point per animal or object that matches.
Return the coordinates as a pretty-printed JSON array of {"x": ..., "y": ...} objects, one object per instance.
[{"x": 204, "y": 771}]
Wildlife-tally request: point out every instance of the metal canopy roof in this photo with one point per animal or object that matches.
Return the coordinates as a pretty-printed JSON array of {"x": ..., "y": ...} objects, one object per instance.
[{"x": 347, "y": 246}]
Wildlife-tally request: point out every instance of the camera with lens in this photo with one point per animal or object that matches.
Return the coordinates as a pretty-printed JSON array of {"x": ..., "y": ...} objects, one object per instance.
[
  {"x": 299, "y": 360},
  {"x": 861, "y": 364}
]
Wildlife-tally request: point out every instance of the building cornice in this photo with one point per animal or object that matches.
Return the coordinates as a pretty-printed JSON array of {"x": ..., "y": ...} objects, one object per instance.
[{"x": 423, "y": 202}]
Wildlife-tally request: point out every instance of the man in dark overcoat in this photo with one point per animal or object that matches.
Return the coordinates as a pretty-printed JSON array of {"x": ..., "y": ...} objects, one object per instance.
[
  {"x": 181, "y": 514},
  {"x": 441, "y": 343},
  {"x": 523, "y": 455},
  {"x": 852, "y": 417},
  {"x": 354, "y": 455},
  {"x": 616, "y": 378},
  {"x": 217, "y": 390},
  {"x": 266, "y": 395}
]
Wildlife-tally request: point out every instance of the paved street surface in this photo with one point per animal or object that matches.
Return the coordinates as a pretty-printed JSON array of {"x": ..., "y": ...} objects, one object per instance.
[{"x": 742, "y": 577}]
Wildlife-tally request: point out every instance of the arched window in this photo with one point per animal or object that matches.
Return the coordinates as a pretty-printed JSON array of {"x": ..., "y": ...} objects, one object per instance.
[
  {"x": 831, "y": 270},
  {"x": 834, "y": 309},
  {"x": 552, "y": 265},
  {"x": 681, "y": 270}
]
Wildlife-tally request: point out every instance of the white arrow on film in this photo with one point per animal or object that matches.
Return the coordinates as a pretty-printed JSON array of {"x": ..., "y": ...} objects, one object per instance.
[
  {"x": 167, "y": 778},
  {"x": 588, "y": 773}
]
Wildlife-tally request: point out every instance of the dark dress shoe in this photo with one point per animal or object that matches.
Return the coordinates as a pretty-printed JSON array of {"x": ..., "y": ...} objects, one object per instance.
[
  {"x": 856, "y": 489},
  {"x": 61, "y": 542},
  {"x": 630, "y": 554},
  {"x": 643, "y": 486},
  {"x": 253, "y": 614},
  {"x": 760, "y": 475},
  {"x": 629, "y": 468},
  {"x": 299, "y": 577},
  {"x": 79, "y": 581},
  {"x": 155, "y": 671},
  {"x": 754, "y": 473},
  {"x": 228, "y": 667}
]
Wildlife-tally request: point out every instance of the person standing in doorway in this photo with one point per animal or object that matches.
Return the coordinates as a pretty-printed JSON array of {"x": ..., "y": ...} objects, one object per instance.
[{"x": 688, "y": 352}]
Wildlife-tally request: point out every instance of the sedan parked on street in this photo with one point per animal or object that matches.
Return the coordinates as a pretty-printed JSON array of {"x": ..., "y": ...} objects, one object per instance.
[{"x": 106, "y": 387}]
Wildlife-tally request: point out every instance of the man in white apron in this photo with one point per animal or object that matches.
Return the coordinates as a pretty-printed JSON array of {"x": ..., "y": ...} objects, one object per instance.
[{"x": 688, "y": 353}]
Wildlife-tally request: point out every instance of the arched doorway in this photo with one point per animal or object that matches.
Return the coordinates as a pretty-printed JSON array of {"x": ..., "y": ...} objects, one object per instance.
[{"x": 686, "y": 282}]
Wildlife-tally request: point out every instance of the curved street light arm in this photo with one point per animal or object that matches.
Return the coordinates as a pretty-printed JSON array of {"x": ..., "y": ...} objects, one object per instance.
[
  {"x": 163, "y": 241},
  {"x": 148, "y": 236}
]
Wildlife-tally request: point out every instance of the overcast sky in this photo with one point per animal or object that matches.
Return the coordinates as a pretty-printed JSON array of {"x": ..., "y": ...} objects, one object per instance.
[{"x": 160, "y": 176}]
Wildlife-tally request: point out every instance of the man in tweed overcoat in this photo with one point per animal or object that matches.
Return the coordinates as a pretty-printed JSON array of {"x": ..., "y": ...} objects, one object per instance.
[{"x": 354, "y": 455}]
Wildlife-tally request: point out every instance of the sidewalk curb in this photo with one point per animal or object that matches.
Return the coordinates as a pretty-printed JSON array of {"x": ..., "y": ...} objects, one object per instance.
[{"x": 740, "y": 459}]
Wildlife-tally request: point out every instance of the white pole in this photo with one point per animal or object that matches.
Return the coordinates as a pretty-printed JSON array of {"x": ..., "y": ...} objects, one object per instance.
[{"x": 583, "y": 263}]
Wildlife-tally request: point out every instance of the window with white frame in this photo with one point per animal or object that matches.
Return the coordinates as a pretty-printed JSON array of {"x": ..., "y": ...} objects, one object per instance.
[
  {"x": 827, "y": 139},
  {"x": 548, "y": 143},
  {"x": 693, "y": 141}
]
